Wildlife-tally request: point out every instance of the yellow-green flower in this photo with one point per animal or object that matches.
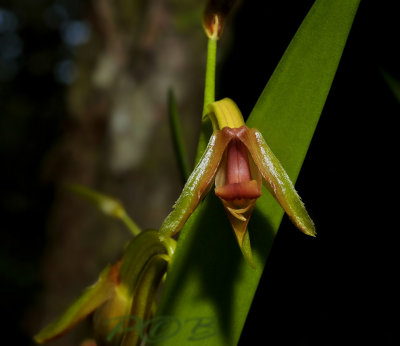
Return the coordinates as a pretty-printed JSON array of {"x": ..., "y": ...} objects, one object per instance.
[{"x": 127, "y": 288}]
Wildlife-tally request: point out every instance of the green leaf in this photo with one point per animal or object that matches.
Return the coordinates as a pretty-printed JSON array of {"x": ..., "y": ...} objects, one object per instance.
[
  {"x": 177, "y": 137},
  {"x": 210, "y": 288}
]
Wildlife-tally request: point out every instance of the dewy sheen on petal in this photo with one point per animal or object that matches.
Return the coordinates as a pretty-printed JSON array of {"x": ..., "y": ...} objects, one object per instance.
[
  {"x": 239, "y": 160},
  {"x": 277, "y": 180},
  {"x": 197, "y": 185}
]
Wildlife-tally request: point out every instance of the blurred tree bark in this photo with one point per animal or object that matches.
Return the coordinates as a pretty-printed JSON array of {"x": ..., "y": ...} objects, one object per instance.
[{"x": 117, "y": 139}]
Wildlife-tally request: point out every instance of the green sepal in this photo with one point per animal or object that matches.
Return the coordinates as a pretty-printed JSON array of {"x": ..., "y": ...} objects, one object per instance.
[
  {"x": 91, "y": 299},
  {"x": 277, "y": 181},
  {"x": 197, "y": 185}
]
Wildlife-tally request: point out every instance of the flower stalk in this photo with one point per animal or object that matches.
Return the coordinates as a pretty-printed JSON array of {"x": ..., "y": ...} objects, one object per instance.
[{"x": 106, "y": 204}]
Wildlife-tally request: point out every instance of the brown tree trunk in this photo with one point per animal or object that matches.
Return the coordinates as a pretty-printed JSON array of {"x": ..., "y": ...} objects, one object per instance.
[{"x": 117, "y": 138}]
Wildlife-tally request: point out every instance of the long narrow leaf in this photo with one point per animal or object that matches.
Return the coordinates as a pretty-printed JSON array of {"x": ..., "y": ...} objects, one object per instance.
[
  {"x": 177, "y": 137},
  {"x": 210, "y": 288}
]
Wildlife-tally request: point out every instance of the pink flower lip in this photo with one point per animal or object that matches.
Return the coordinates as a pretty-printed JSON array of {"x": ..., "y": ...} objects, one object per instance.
[{"x": 238, "y": 183}]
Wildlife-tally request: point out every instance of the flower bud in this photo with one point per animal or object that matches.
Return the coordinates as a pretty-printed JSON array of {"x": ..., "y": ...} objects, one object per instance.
[{"x": 214, "y": 17}]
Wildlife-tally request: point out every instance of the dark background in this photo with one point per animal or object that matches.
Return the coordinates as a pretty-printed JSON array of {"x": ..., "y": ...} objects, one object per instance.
[{"x": 339, "y": 288}]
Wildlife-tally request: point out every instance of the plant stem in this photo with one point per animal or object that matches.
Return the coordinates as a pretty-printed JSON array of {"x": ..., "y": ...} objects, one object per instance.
[
  {"x": 209, "y": 96},
  {"x": 209, "y": 89},
  {"x": 135, "y": 230}
]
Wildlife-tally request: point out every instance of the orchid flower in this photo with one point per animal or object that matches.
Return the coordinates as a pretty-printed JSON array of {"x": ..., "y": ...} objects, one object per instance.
[
  {"x": 124, "y": 289},
  {"x": 238, "y": 160}
]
